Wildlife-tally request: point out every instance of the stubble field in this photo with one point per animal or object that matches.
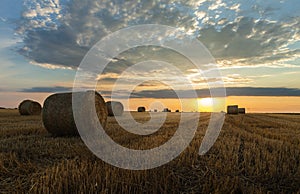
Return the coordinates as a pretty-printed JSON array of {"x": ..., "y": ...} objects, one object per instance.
[{"x": 255, "y": 153}]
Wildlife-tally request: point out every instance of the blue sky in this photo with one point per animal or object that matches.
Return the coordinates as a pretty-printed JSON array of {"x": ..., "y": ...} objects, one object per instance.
[{"x": 255, "y": 43}]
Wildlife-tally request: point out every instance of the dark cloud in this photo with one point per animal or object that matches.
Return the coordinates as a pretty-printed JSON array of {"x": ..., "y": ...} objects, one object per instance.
[
  {"x": 108, "y": 80},
  {"x": 257, "y": 41},
  {"x": 152, "y": 84},
  {"x": 202, "y": 93},
  {"x": 249, "y": 91},
  {"x": 147, "y": 53},
  {"x": 57, "y": 47},
  {"x": 47, "y": 89}
]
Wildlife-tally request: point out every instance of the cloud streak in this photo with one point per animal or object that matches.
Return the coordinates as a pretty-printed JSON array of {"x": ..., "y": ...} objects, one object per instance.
[
  {"x": 54, "y": 89},
  {"x": 232, "y": 91},
  {"x": 168, "y": 93}
]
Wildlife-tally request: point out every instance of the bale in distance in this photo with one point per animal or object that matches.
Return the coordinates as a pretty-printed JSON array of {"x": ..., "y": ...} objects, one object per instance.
[
  {"x": 114, "y": 108},
  {"x": 242, "y": 111},
  {"x": 141, "y": 109},
  {"x": 58, "y": 116},
  {"x": 30, "y": 107},
  {"x": 233, "y": 109},
  {"x": 166, "y": 110}
]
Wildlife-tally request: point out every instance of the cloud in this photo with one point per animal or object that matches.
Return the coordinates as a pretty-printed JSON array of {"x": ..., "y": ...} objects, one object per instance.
[
  {"x": 236, "y": 79},
  {"x": 54, "y": 89},
  {"x": 151, "y": 84},
  {"x": 252, "y": 42},
  {"x": 245, "y": 33},
  {"x": 50, "y": 66},
  {"x": 40, "y": 14},
  {"x": 199, "y": 80}
]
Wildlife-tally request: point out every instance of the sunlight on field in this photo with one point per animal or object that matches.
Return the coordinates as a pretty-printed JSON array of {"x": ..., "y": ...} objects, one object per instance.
[
  {"x": 255, "y": 153},
  {"x": 263, "y": 104},
  {"x": 254, "y": 104}
]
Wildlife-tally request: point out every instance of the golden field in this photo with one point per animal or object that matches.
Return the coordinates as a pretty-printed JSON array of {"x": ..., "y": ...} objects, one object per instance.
[{"x": 255, "y": 153}]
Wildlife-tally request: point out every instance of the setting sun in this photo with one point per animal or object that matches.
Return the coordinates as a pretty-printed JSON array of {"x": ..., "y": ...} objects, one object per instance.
[
  {"x": 206, "y": 102},
  {"x": 211, "y": 104}
]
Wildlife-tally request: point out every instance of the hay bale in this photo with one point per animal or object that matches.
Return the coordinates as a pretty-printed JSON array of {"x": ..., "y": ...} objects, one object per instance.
[
  {"x": 141, "y": 109},
  {"x": 233, "y": 109},
  {"x": 114, "y": 108},
  {"x": 30, "y": 107},
  {"x": 166, "y": 110},
  {"x": 58, "y": 114},
  {"x": 242, "y": 111}
]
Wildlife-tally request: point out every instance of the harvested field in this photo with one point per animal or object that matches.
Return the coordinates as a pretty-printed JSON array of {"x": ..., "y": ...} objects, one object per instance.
[{"x": 255, "y": 153}]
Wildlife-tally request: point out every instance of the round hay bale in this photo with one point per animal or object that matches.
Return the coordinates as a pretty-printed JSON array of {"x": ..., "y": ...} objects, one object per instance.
[
  {"x": 58, "y": 116},
  {"x": 141, "y": 109},
  {"x": 29, "y": 107},
  {"x": 233, "y": 109},
  {"x": 114, "y": 108}
]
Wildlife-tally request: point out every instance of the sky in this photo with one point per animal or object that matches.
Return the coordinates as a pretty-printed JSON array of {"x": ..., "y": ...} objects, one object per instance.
[{"x": 255, "y": 45}]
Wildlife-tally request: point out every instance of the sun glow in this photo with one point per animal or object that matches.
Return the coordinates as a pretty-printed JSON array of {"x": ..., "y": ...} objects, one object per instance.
[
  {"x": 206, "y": 102},
  {"x": 211, "y": 104}
]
